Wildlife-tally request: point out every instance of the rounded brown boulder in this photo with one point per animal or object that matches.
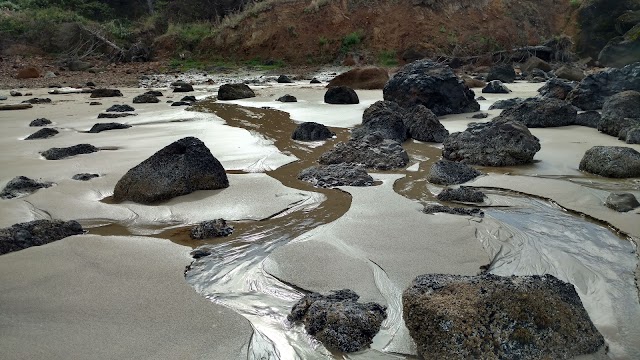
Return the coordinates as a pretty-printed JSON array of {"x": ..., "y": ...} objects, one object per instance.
[
  {"x": 370, "y": 78},
  {"x": 28, "y": 73}
]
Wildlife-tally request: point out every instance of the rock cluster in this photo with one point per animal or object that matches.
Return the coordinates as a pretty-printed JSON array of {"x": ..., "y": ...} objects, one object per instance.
[
  {"x": 487, "y": 316},
  {"x": 338, "y": 320},
  {"x": 592, "y": 91}
]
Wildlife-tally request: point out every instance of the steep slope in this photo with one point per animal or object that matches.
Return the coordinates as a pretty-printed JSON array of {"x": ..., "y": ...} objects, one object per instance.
[{"x": 317, "y": 31}]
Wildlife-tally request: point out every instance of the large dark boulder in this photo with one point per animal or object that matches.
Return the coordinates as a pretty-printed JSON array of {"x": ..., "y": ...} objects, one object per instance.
[
  {"x": 487, "y": 316},
  {"x": 145, "y": 99},
  {"x": 338, "y": 320},
  {"x": 499, "y": 142},
  {"x": 210, "y": 229},
  {"x": 506, "y": 103},
  {"x": 423, "y": 125},
  {"x": 503, "y": 72},
  {"x": 569, "y": 72},
  {"x": 22, "y": 186},
  {"x": 535, "y": 62},
  {"x": 328, "y": 176},
  {"x": 446, "y": 172},
  {"x": 620, "y": 111},
  {"x": 384, "y": 117},
  {"x": 372, "y": 151},
  {"x": 537, "y": 112},
  {"x": 40, "y": 122},
  {"x": 284, "y": 79},
  {"x": 557, "y": 89},
  {"x": 589, "y": 118},
  {"x": 495, "y": 87},
  {"x": 183, "y": 87},
  {"x": 120, "y": 108},
  {"x": 311, "y": 131},
  {"x": 178, "y": 169},
  {"x": 632, "y": 135},
  {"x": 61, "y": 153},
  {"x": 362, "y": 78},
  {"x": 99, "y": 127},
  {"x": 287, "y": 98},
  {"x": 461, "y": 194},
  {"x": 341, "y": 95},
  {"x": 99, "y": 93},
  {"x": 36, "y": 233},
  {"x": 433, "y": 85},
  {"x": 622, "y": 202},
  {"x": 235, "y": 92},
  {"x": 593, "y": 90},
  {"x": 42, "y": 134},
  {"x": 611, "y": 161}
]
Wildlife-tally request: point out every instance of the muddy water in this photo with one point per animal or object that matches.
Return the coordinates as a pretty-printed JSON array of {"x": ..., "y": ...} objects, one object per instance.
[{"x": 526, "y": 236}]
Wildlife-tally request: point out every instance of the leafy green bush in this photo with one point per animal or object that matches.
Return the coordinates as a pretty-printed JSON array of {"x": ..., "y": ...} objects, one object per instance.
[
  {"x": 352, "y": 40},
  {"x": 388, "y": 58},
  {"x": 190, "y": 34}
]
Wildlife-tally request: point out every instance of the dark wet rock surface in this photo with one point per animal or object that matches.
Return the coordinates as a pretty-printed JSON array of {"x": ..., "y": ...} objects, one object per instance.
[
  {"x": 38, "y": 101},
  {"x": 433, "y": 85},
  {"x": 42, "y": 134},
  {"x": 284, "y": 79},
  {"x": 435, "y": 208},
  {"x": 632, "y": 135},
  {"x": 569, "y": 72},
  {"x": 145, "y": 99},
  {"x": 35, "y": 233},
  {"x": 620, "y": 111},
  {"x": 121, "y": 108},
  {"x": 99, "y": 93},
  {"x": 446, "y": 172},
  {"x": 487, "y": 316},
  {"x": 480, "y": 116},
  {"x": 536, "y": 112},
  {"x": 84, "y": 176},
  {"x": 362, "y": 78},
  {"x": 338, "y": 320},
  {"x": 181, "y": 103},
  {"x": 557, "y": 89},
  {"x": 154, "y": 93},
  {"x": 589, "y": 118},
  {"x": 495, "y": 87},
  {"x": 287, "y": 98},
  {"x": 183, "y": 87},
  {"x": 40, "y": 122},
  {"x": 505, "y": 104},
  {"x": 328, "y": 176},
  {"x": 210, "y": 229},
  {"x": 341, "y": 95},
  {"x": 235, "y": 92},
  {"x": 461, "y": 194},
  {"x": 114, "y": 115},
  {"x": 99, "y": 127},
  {"x": 423, "y": 125},
  {"x": 311, "y": 131},
  {"x": 21, "y": 186},
  {"x": 503, "y": 72},
  {"x": 611, "y": 161},
  {"x": 61, "y": 153},
  {"x": 180, "y": 168},
  {"x": 593, "y": 90},
  {"x": 384, "y": 117},
  {"x": 622, "y": 202},
  {"x": 189, "y": 98},
  {"x": 371, "y": 151},
  {"x": 495, "y": 143}
]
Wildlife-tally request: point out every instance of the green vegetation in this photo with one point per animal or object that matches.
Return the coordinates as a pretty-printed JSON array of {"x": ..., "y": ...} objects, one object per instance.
[
  {"x": 575, "y": 3},
  {"x": 323, "y": 41},
  {"x": 388, "y": 58},
  {"x": 352, "y": 40},
  {"x": 188, "y": 35}
]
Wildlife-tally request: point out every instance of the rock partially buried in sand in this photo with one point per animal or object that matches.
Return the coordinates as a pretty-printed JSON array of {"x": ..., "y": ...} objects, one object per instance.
[
  {"x": 42, "y": 134},
  {"x": 145, "y": 99},
  {"x": 484, "y": 317},
  {"x": 341, "y": 95},
  {"x": 37, "y": 101},
  {"x": 114, "y": 115},
  {"x": 435, "y": 86},
  {"x": 611, "y": 161},
  {"x": 153, "y": 93},
  {"x": 620, "y": 111},
  {"x": 178, "y": 169},
  {"x": 505, "y": 104},
  {"x": 372, "y": 151},
  {"x": 211, "y": 229},
  {"x": 446, "y": 172},
  {"x": 40, "y": 122},
  {"x": 328, "y": 176},
  {"x": 622, "y": 202},
  {"x": 284, "y": 79},
  {"x": 338, "y": 320},
  {"x": 593, "y": 90},
  {"x": 235, "y": 92},
  {"x": 84, "y": 176},
  {"x": 61, "y": 153},
  {"x": 538, "y": 113},
  {"x": 99, "y": 93},
  {"x": 436, "y": 208},
  {"x": 35, "y": 233},
  {"x": 311, "y": 131},
  {"x": 496, "y": 143},
  {"x": 121, "y": 108},
  {"x": 183, "y": 87},
  {"x": 495, "y": 87},
  {"x": 99, "y": 127},
  {"x": 22, "y": 186},
  {"x": 461, "y": 194},
  {"x": 362, "y": 78},
  {"x": 287, "y": 98}
]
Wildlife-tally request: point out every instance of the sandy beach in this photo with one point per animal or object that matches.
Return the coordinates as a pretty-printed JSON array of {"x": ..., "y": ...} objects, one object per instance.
[{"x": 120, "y": 290}]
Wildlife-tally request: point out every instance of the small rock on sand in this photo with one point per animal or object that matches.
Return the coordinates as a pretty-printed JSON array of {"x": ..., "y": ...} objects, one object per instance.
[
  {"x": 42, "y": 134},
  {"x": 622, "y": 202},
  {"x": 35, "y": 233},
  {"x": 61, "y": 153},
  {"x": 210, "y": 229},
  {"x": 84, "y": 176},
  {"x": 328, "y": 176},
  {"x": 21, "y": 186}
]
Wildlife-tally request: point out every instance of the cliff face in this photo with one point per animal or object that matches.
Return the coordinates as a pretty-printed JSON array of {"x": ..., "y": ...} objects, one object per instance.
[{"x": 319, "y": 31}]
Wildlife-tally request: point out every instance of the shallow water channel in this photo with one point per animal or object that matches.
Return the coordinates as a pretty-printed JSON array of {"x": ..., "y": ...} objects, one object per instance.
[{"x": 523, "y": 235}]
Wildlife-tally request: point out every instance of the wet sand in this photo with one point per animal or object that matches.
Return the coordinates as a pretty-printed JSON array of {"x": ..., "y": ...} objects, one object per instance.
[{"x": 289, "y": 236}]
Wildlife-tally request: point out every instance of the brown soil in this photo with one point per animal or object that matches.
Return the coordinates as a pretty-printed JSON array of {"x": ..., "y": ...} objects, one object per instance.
[
  {"x": 125, "y": 75},
  {"x": 300, "y": 32}
]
